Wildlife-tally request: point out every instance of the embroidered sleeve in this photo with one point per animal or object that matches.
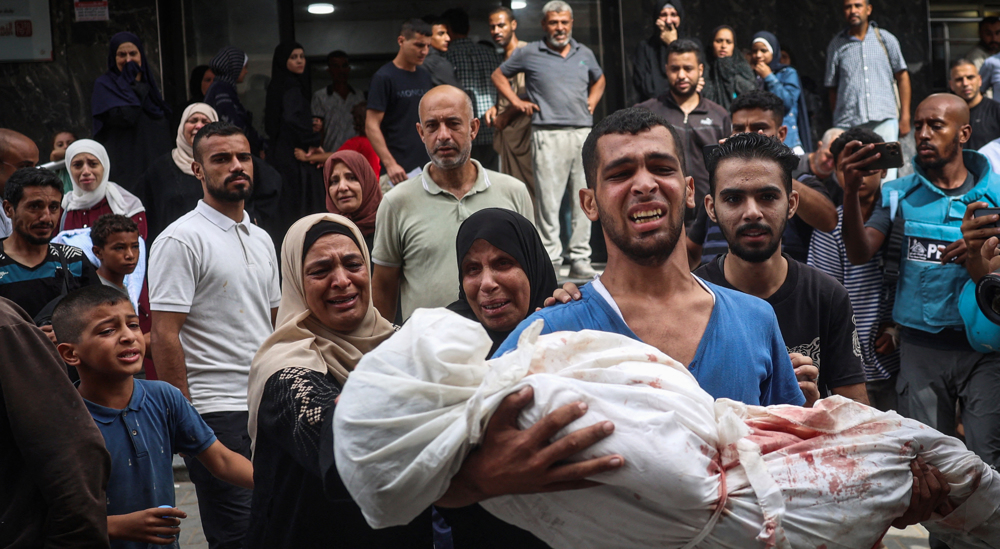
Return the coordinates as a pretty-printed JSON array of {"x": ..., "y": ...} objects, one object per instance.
[{"x": 292, "y": 409}]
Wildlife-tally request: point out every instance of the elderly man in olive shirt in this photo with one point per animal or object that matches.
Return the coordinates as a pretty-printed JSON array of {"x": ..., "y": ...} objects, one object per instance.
[{"x": 53, "y": 464}]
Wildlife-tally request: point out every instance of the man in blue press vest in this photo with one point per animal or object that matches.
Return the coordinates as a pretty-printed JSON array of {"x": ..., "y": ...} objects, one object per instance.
[{"x": 946, "y": 356}]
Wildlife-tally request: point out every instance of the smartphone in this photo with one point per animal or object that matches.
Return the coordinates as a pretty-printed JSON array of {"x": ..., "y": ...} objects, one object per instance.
[
  {"x": 988, "y": 211},
  {"x": 892, "y": 156}
]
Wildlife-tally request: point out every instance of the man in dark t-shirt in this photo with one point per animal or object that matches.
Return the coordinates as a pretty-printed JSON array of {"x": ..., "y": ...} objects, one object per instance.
[
  {"x": 394, "y": 103},
  {"x": 33, "y": 271},
  {"x": 984, "y": 113},
  {"x": 752, "y": 200},
  {"x": 761, "y": 112}
]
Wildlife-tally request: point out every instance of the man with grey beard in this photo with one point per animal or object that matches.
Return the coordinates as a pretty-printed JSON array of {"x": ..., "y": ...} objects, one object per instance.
[
  {"x": 564, "y": 84},
  {"x": 416, "y": 224}
]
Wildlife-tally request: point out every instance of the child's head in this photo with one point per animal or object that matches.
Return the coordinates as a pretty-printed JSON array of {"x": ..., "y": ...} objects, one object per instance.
[
  {"x": 60, "y": 141},
  {"x": 98, "y": 332},
  {"x": 317, "y": 124},
  {"x": 871, "y": 183},
  {"x": 116, "y": 243}
]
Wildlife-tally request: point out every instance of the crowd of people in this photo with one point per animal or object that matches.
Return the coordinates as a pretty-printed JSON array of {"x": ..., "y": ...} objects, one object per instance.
[{"x": 211, "y": 297}]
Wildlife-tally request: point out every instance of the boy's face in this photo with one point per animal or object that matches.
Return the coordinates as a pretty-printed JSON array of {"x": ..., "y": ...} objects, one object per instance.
[
  {"x": 120, "y": 253},
  {"x": 869, "y": 185},
  {"x": 111, "y": 344}
]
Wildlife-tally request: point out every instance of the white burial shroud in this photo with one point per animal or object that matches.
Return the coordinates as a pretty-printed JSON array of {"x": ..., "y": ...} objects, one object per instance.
[{"x": 698, "y": 472}]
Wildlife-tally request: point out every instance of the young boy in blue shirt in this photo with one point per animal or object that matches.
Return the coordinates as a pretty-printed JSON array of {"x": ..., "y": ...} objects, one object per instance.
[{"x": 144, "y": 423}]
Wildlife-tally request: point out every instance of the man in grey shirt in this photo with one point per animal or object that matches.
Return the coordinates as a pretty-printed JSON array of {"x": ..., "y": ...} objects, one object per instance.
[{"x": 564, "y": 84}]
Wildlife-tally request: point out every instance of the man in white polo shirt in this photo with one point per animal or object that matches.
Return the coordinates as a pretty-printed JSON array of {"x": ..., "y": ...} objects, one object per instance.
[
  {"x": 417, "y": 222},
  {"x": 213, "y": 293}
]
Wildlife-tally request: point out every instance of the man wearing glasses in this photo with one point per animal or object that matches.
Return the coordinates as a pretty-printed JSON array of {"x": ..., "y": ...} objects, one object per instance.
[{"x": 16, "y": 152}]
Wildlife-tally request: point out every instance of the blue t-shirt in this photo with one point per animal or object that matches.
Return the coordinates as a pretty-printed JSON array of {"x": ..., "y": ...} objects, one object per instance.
[
  {"x": 142, "y": 440},
  {"x": 741, "y": 355}
]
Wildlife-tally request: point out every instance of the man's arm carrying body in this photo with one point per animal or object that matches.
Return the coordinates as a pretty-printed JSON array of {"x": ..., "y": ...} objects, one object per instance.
[{"x": 512, "y": 461}]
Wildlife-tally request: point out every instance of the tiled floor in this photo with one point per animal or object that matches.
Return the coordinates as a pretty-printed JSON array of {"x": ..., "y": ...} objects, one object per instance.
[{"x": 192, "y": 537}]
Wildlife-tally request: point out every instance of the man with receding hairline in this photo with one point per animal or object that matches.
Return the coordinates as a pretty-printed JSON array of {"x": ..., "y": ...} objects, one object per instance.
[
  {"x": 416, "y": 224},
  {"x": 984, "y": 113},
  {"x": 16, "y": 151},
  {"x": 941, "y": 360}
]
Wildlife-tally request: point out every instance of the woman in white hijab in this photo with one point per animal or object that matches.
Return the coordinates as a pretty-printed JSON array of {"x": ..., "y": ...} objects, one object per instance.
[
  {"x": 169, "y": 187},
  {"x": 93, "y": 194},
  {"x": 326, "y": 322}
]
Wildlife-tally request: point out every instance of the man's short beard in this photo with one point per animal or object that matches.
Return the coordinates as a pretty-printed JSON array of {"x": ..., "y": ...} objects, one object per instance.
[
  {"x": 453, "y": 163},
  {"x": 32, "y": 239},
  {"x": 224, "y": 195},
  {"x": 941, "y": 161},
  {"x": 650, "y": 252},
  {"x": 692, "y": 90},
  {"x": 552, "y": 41},
  {"x": 755, "y": 255}
]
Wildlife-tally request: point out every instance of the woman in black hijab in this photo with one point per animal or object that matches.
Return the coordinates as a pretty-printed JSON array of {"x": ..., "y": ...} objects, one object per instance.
[
  {"x": 726, "y": 75},
  {"x": 201, "y": 78},
  {"x": 504, "y": 274},
  {"x": 230, "y": 68},
  {"x": 288, "y": 122},
  {"x": 649, "y": 76},
  {"x": 503, "y": 269},
  {"x": 130, "y": 116}
]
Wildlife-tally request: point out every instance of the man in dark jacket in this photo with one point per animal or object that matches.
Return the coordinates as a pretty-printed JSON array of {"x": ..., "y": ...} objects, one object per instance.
[
  {"x": 699, "y": 121},
  {"x": 53, "y": 465}
]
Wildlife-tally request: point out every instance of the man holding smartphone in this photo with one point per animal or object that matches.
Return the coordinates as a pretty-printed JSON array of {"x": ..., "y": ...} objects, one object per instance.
[{"x": 921, "y": 216}]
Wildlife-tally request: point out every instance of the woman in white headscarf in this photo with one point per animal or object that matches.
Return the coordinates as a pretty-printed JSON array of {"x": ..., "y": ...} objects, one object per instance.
[
  {"x": 93, "y": 193},
  {"x": 169, "y": 187},
  {"x": 326, "y": 322}
]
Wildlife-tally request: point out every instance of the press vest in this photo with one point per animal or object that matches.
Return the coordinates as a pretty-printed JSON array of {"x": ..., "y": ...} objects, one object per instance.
[{"x": 928, "y": 292}]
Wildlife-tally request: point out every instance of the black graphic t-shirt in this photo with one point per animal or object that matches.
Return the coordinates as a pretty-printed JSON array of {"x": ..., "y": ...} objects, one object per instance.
[
  {"x": 816, "y": 319},
  {"x": 397, "y": 93}
]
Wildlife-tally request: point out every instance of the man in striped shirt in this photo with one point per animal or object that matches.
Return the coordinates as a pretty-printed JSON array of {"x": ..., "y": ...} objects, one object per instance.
[
  {"x": 861, "y": 63},
  {"x": 873, "y": 314}
]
